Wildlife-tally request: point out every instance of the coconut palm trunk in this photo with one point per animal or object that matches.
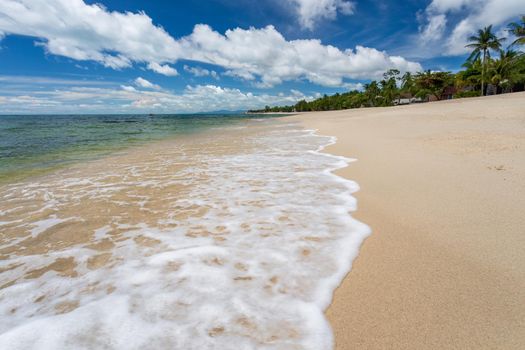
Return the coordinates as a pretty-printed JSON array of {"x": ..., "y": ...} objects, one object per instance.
[{"x": 483, "y": 72}]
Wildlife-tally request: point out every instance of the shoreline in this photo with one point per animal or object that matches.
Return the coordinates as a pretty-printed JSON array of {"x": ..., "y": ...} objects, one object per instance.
[
  {"x": 440, "y": 188},
  {"x": 433, "y": 274},
  {"x": 197, "y": 221}
]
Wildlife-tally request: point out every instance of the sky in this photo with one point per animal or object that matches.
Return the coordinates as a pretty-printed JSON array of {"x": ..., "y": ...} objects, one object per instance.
[{"x": 111, "y": 56}]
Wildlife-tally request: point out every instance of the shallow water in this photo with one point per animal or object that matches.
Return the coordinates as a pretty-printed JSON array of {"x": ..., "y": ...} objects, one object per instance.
[
  {"x": 230, "y": 239},
  {"x": 34, "y": 144}
]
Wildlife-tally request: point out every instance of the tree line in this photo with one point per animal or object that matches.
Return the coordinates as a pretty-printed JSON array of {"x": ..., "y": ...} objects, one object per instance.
[{"x": 489, "y": 69}]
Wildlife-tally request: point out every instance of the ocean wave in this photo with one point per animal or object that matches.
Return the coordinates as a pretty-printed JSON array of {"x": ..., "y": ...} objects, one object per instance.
[{"x": 233, "y": 241}]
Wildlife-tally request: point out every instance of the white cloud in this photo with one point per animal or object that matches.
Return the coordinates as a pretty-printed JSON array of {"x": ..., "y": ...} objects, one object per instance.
[
  {"x": 163, "y": 69},
  {"x": 265, "y": 54},
  {"x": 50, "y": 81},
  {"x": 435, "y": 28},
  {"x": 201, "y": 72},
  {"x": 473, "y": 15},
  {"x": 79, "y": 31},
  {"x": 442, "y": 6},
  {"x": 128, "y": 88},
  {"x": 124, "y": 98},
  {"x": 141, "y": 82},
  {"x": 88, "y": 32},
  {"x": 29, "y": 102},
  {"x": 310, "y": 12},
  {"x": 354, "y": 86}
]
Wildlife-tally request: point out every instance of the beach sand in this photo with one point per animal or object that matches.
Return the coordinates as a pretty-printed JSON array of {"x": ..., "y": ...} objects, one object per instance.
[{"x": 442, "y": 187}]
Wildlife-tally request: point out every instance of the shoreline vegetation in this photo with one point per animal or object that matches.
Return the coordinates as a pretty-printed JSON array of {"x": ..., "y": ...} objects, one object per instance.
[{"x": 489, "y": 70}]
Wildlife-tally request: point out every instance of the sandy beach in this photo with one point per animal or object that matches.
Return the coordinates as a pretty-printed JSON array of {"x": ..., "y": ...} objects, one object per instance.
[
  {"x": 442, "y": 189},
  {"x": 207, "y": 232}
]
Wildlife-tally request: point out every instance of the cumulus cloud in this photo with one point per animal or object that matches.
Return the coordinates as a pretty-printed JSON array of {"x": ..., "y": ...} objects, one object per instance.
[
  {"x": 125, "y": 98},
  {"x": 310, "y": 12},
  {"x": 141, "y": 82},
  {"x": 472, "y": 14},
  {"x": 163, "y": 69},
  {"x": 128, "y": 88},
  {"x": 74, "y": 29},
  {"x": 265, "y": 54},
  {"x": 118, "y": 40},
  {"x": 354, "y": 86},
  {"x": 201, "y": 72}
]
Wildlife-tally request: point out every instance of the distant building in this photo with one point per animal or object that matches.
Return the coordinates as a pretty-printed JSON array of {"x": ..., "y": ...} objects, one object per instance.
[{"x": 406, "y": 99}]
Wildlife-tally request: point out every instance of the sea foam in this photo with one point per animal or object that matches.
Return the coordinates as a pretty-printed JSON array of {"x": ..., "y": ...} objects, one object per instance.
[{"x": 247, "y": 257}]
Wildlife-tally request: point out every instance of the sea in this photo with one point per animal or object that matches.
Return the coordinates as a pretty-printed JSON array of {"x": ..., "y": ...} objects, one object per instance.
[
  {"x": 170, "y": 232},
  {"x": 35, "y": 144}
]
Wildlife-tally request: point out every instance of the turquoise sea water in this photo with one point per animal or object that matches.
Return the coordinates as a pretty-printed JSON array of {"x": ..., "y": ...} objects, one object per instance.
[{"x": 34, "y": 144}]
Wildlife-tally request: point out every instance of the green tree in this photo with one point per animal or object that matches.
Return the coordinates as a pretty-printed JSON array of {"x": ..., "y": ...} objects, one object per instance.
[
  {"x": 407, "y": 83},
  {"x": 505, "y": 71},
  {"x": 518, "y": 29},
  {"x": 302, "y": 106},
  {"x": 391, "y": 74},
  {"x": 470, "y": 76},
  {"x": 481, "y": 44},
  {"x": 389, "y": 90},
  {"x": 372, "y": 94},
  {"x": 433, "y": 83}
]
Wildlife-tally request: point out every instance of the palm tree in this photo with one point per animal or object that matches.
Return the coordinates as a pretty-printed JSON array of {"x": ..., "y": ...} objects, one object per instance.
[
  {"x": 372, "y": 92},
  {"x": 505, "y": 71},
  {"x": 470, "y": 77},
  {"x": 518, "y": 29},
  {"x": 485, "y": 41},
  {"x": 407, "y": 83},
  {"x": 389, "y": 91}
]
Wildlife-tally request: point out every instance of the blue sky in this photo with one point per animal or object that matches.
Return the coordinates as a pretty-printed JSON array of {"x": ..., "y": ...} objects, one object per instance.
[{"x": 74, "y": 56}]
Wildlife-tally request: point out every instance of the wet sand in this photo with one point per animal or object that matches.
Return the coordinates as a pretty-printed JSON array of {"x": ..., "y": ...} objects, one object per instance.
[
  {"x": 442, "y": 187},
  {"x": 199, "y": 241}
]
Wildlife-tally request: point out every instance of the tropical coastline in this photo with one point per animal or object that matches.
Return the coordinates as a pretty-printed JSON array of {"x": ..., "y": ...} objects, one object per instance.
[
  {"x": 262, "y": 175},
  {"x": 441, "y": 187},
  {"x": 449, "y": 270}
]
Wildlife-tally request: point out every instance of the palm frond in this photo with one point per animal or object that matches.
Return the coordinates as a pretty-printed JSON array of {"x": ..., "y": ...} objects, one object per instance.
[{"x": 474, "y": 56}]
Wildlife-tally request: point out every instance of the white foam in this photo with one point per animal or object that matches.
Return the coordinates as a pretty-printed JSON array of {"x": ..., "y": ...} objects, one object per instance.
[
  {"x": 44, "y": 225},
  {"x": 278, "y": 240},
  {"x": 102, "y": 232}
]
